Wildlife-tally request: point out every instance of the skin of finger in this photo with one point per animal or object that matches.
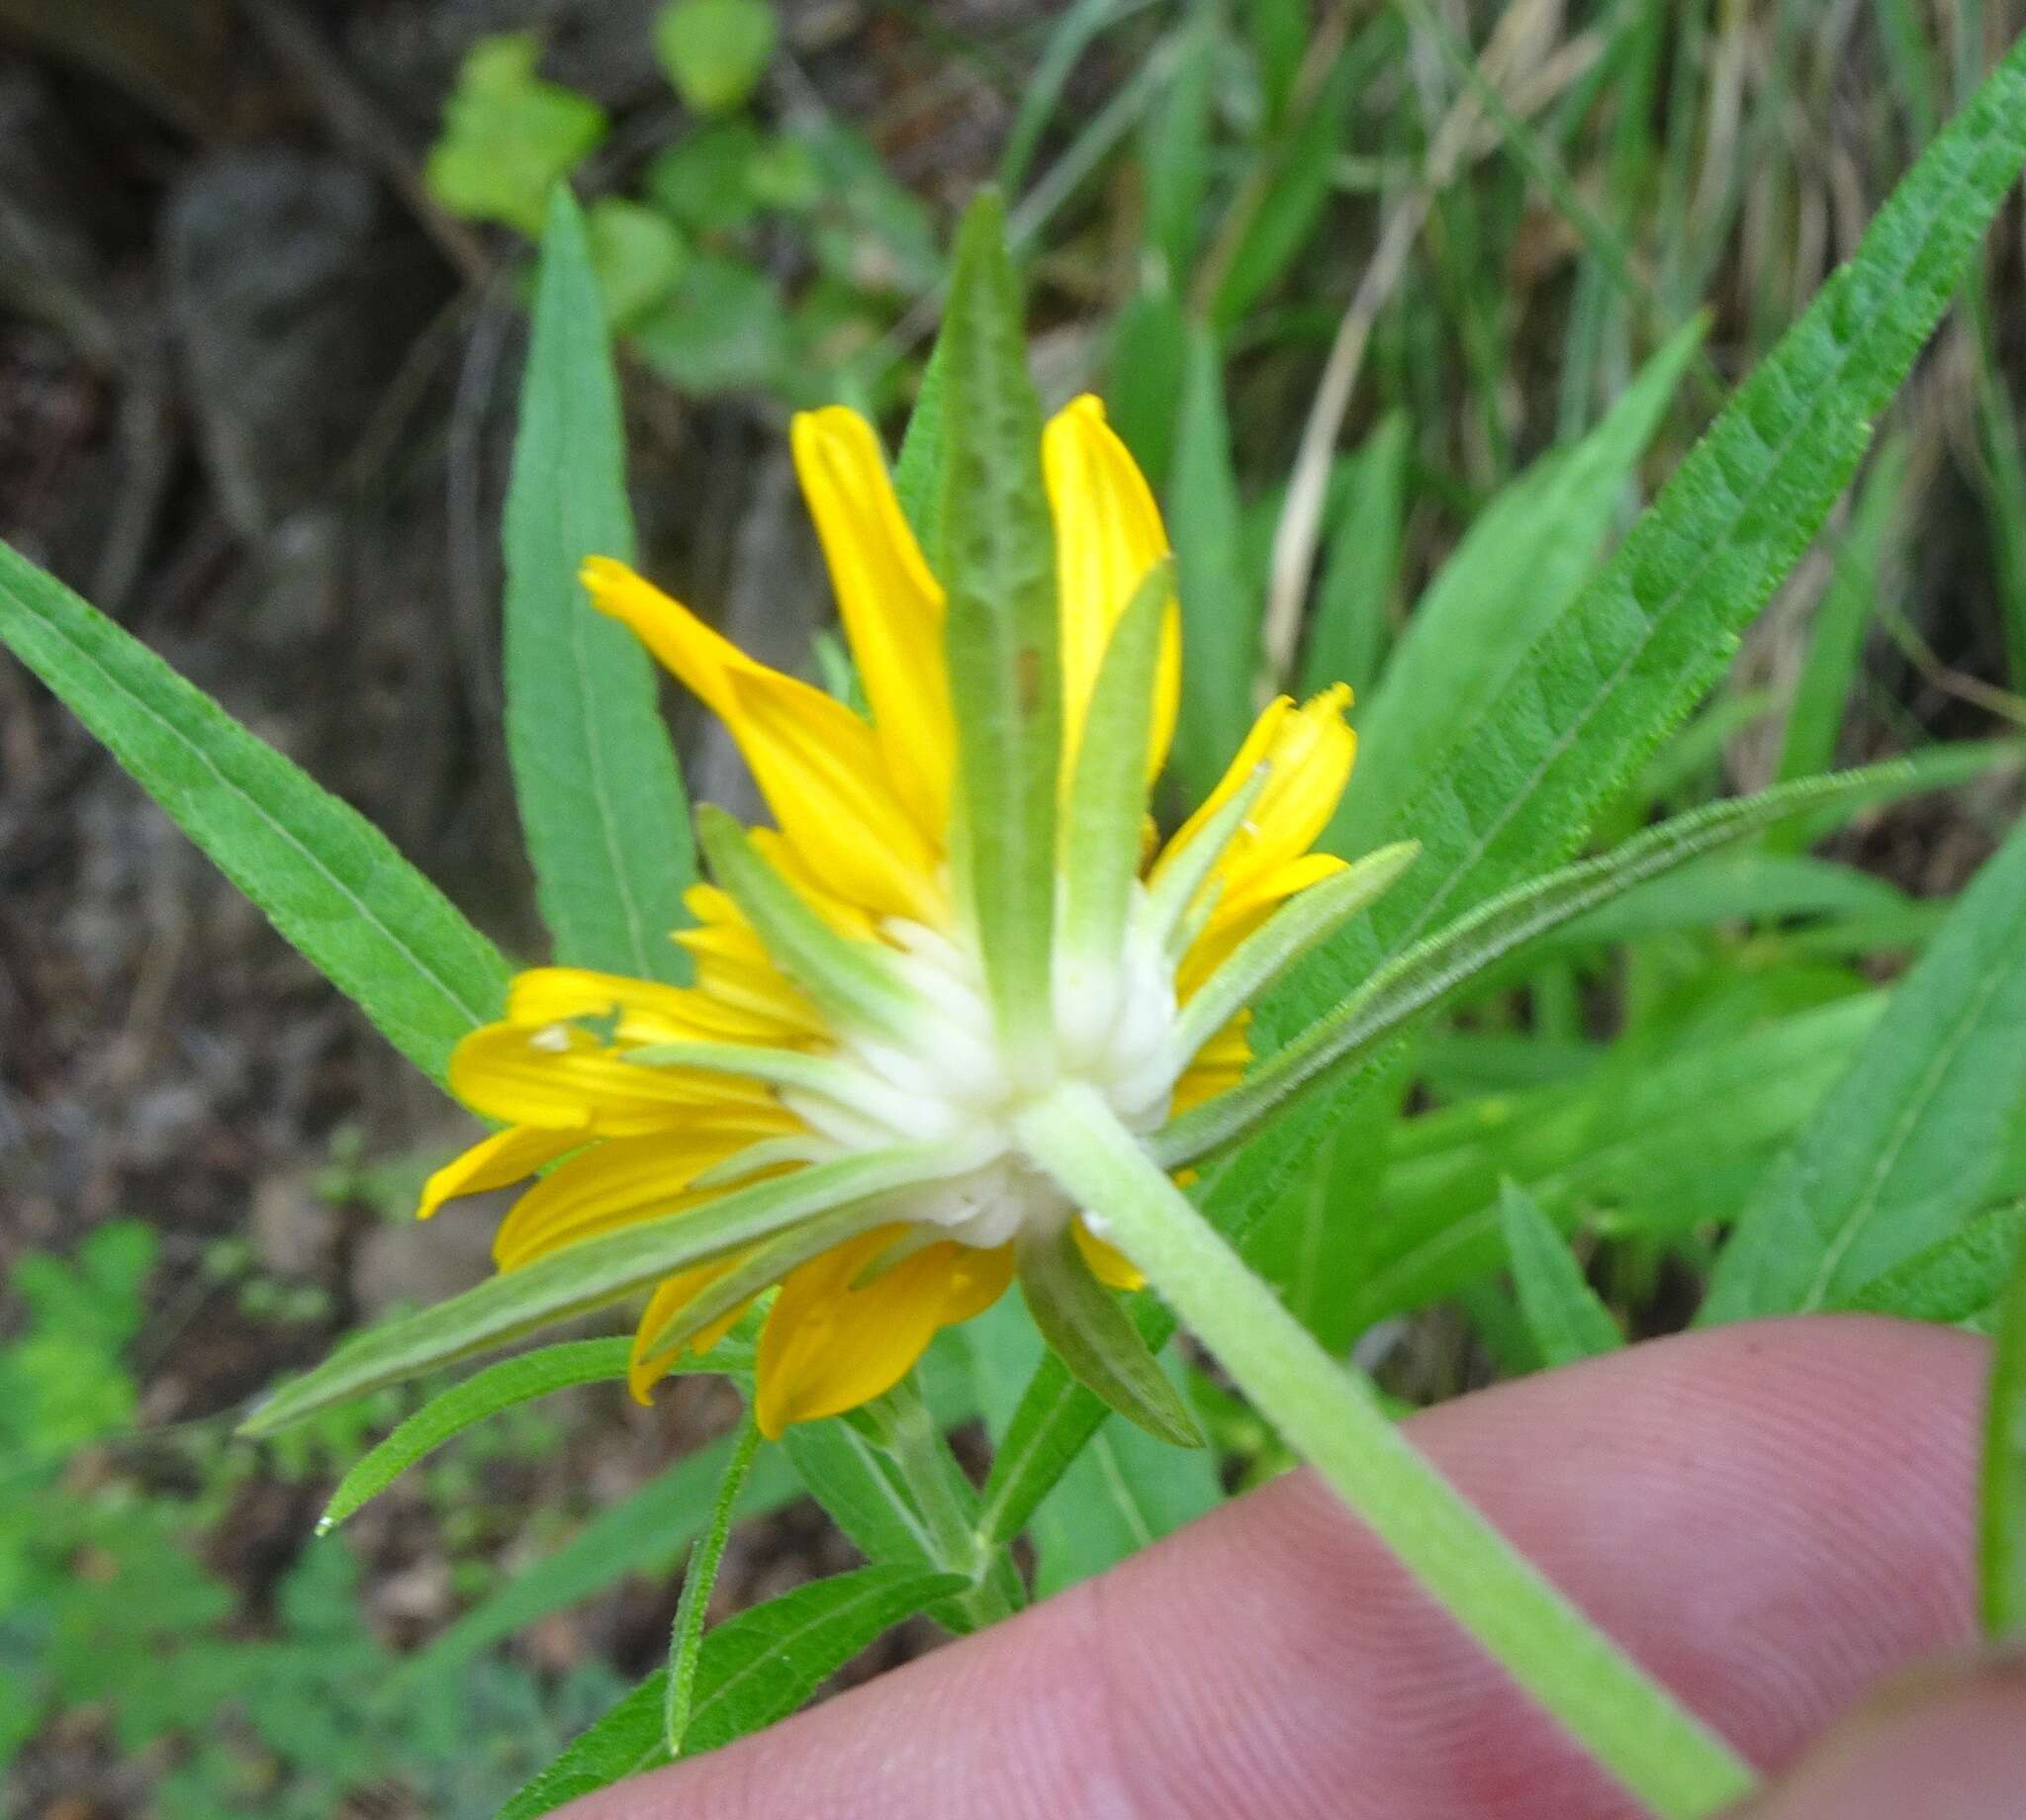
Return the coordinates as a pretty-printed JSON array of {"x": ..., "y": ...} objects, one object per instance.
[
  {"x": 1769, "y": 1517},
  {"x": 1946, "y": 1743}
]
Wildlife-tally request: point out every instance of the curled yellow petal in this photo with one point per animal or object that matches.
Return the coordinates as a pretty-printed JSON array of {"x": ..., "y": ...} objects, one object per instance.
[
  {"x": 831, "y": 1344},
  {"x": 497, "y": 1162},
  {"x": 815, "y": 761},
  {"x": 1108, "y": 534},
  {"x": 890, "y": 605}
]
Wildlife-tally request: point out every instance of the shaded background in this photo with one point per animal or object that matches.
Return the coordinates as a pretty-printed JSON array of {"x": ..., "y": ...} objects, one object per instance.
[{"x": 256, "y": 390}]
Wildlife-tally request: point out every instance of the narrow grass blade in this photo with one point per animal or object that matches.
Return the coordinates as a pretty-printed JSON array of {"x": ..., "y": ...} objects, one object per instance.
[
  {"x": 601, "y": 799},
  {"x": 1621, "y": 666},
  {"x": 1836, "y": 650},
  {"x": 2002, "y": 1497},
  {"x": 1220, "y": 611},
  {"x": 1348, "y": 633},
  {"x": 328, "y": 879}
]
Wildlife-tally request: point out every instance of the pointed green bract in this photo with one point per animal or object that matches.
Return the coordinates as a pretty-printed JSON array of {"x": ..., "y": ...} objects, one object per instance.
[
  {"x": 589, "y": 1275},
  {"x": 1431, "y": 970},
  {"x": 1092, "y": 1335},
  {"x": 1566, "y": 1317},
  {"x": 1185, "y": 870},
  {"x": 1279, "y": 943},
  {"x": 850, "y": 982},
  {"x": 601, "y": 799},
  {"x": 998, "y": 563},
  {"x": 328, "y": 880},
  {"x": 1108, "y": 790}
]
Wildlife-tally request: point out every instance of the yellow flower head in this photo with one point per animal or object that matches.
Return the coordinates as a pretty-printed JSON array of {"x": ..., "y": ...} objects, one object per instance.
[{"x": 649, "y": 1099}]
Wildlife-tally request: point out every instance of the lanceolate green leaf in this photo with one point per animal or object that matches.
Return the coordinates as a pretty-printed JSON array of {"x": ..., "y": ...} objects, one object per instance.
[
  {"x": 589, "y": 1275},
  {"x": 1565, "y": 1315},
  {"x": 752, "y": 1670},
  {"x": 1428, "y": 971},
  {"x": 499, "y": 1386},
  {"x": 998, "y": 569},
  {"x": 329, "y": 881},
  {"x": 1092, "y": 1334},
  {"x": 1908, "y": 1143},
  {"x": 601, "y": 801}
]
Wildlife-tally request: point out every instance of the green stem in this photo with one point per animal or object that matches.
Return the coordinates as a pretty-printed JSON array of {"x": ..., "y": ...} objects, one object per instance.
[
  {"x": 686, "y": 1640},
  {"x": 1330, "y": 1416}
]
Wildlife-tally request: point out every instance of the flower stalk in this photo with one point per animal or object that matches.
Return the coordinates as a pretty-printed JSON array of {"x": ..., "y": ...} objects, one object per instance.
[{"x": 1328, "y": 1415}]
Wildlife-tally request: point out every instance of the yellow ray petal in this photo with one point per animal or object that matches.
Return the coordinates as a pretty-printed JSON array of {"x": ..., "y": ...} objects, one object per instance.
[
  {"x": 890, "y": 605},
  {"x": 828, "y": 1347},
  {"x": 734, "y": 968},
  {"x": 1250, "y": 756},
  {"x": 497, "y": 1162},
  {"x": 561, "y": 1077},
  {"x": 1108, "y": 1264},
  {"x": 815, "y": 761},
  {"x": 639, "y": 1010},
  {"x": 1108, "y": 534},
  {"x": 821, "y": 774},
  {"x": 644, "y": 1369},
  {"x": 612, "y": 1184},
  {"x": 1308, "y": 752}
]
